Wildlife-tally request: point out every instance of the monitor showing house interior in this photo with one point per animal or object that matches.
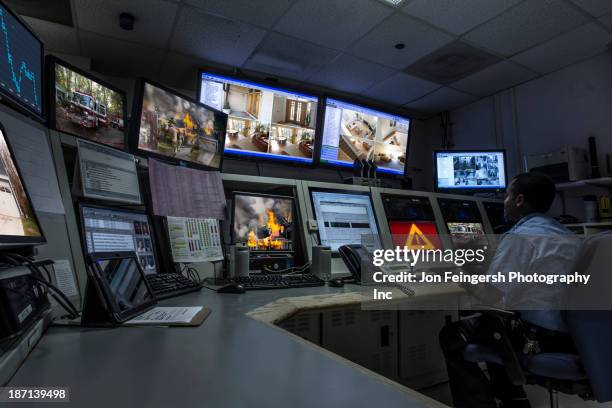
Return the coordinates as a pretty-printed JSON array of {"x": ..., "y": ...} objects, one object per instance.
[
  {"x": 457, "y": 170},
  {"x": 263, "y": 122},
  {"x": 354, "y": 132}
]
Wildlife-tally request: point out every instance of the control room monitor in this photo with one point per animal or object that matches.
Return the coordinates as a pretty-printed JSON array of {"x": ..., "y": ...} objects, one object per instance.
[
  {"x": 411, "y": 221},
  {"x": 470, "y": 170},
  {"x": 464, "y": 222},
  {"x": 344, "y": 218}
]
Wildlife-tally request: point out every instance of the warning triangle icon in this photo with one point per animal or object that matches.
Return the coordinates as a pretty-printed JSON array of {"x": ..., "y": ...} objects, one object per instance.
[{"x": 417, "y": 240}]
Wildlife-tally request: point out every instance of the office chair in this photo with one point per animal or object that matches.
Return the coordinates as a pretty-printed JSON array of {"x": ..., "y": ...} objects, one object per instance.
[{"x": 588, "y": 373}]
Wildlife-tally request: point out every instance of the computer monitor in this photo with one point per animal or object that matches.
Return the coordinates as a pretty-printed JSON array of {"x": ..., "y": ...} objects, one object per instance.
[
  {"x": 85, "y": 106},
  {"x": 173, "y": 127},
  {"x": 411, "y": 221},
  {"x": 355, "y": 132},
  {"x": 21, "y": 64},
  {"x": 478, "y": 170},
  {"x": 18, "y": 223},
  {"x": 107, "y": 229},
  {"x": 264, "y": 223},
  {"x": 344, "y": 217},
  {"x": 264, "y": 122},
  {"x": 464, "y": 223}
]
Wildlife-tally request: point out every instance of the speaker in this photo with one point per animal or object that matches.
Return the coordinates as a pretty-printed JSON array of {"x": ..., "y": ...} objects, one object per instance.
[
  {"x": 239, "y": 261},
  {"x": 321, "y": 262},
  {"x": 593, "y": 158}
]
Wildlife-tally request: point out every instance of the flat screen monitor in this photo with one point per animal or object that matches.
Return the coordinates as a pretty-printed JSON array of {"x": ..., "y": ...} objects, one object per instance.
[
  {"x": 173, "y": 127},
  {"x": 18, "y": 223},
  {"x": 107, "y": 229},
  {"x": 21, "y": 63},
  {"x": 345, "y": 217},
  {"x": 355, "y": 132},
  {"x": 464, "y": 223},
  {"x": 483, "y": 170},
  {"x": 264, "y": 122},
  {"x": 264, "y": 223},
  {"x": 85, "y": 106},
  {"x": 412, "y": 223}
]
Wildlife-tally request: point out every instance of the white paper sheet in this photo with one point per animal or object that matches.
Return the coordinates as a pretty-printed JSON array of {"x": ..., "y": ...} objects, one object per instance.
[
  {"x": 166, "y": 315},
  {"x": 194, "y": 239},
  {"x": 64, "y": 278}
]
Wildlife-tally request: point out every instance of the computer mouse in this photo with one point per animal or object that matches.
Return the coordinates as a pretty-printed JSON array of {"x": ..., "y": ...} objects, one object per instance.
[
  {"x": 232, "y": 288},
  {"x": 336, "y": 283}
]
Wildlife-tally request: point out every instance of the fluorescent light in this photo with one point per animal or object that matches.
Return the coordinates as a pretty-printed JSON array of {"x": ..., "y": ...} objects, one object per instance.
[{"x": 394, "y": 3}]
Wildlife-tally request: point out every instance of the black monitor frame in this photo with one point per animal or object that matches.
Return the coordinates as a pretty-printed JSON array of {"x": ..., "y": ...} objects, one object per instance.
[
  {"x": 272, "y": 159},
  {"x": 349, "y": 166},
  {"x": 17, "y": 241},
  {"x": 133, "y": 134},
  {"x": 81, "y": 224},
  {"x": 335, "y": 254},
  {"x": 469, "y": 190},
  {"x": 11, "y": 99},
  {"x": 294, "y": 215},
  {"x": 51, "y": 62}
]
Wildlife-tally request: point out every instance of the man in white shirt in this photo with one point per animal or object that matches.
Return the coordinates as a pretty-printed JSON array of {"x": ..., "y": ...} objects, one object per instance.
[{"x": 536, "y": 244}]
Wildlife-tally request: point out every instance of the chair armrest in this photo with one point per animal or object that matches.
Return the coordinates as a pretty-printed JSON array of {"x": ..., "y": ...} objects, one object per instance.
[{"x": 495, "y": 311}]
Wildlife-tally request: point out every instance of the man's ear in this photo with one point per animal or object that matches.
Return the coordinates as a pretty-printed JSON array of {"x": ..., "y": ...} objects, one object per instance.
[{"x": 519, "y": 200}]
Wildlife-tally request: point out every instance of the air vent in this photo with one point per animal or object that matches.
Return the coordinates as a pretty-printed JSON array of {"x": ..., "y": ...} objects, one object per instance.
[
  {"x": 451, "y": 63},
  {"x": 56, "y": 11}
]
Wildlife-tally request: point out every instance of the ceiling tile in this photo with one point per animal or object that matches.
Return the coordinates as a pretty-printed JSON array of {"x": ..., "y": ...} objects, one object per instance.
[
  {"x": 419, "y": 40},
  {"x": 455, "y": 16},
  {"x": 526, "y": 25},
  {"x": 262, "y": 13},
  {"x": 121, "y": 58},
  {"x": 595, "y": 8},
  {"x": 440, "y": 100},
  {"x": 289, "y": 57},
  {"x": 152, "y": 24},
  {"x": 215, "y": 38},
  {"x": 181, "y": 71},
  {"x": 332, "y": 23},
  {"x": 495, "y": 78},
  {"x": 568, "y": 48},
  {"x": 607, "y": 21},
  {"x": 56, "y": 37},
  {"x": 350, "y": 74},
  {"x": 400, "y": 89}
]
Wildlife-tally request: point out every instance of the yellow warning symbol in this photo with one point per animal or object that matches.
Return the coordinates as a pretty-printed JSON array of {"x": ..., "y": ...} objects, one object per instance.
[{"x": 417, "y": 240}]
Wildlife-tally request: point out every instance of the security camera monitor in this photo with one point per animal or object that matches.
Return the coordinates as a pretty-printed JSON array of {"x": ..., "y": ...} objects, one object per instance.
[{"x": 470, "y": 170}]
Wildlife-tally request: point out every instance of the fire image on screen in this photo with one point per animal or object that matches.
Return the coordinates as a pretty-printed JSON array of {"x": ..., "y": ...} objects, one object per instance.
[
  {"x": 263, "y": 223},
  {"x": 263, "y": 121},
  {"x": 16, "y": 213},
  {"x": 176, "y": 127},
  {"x": 414, "y": 235}
]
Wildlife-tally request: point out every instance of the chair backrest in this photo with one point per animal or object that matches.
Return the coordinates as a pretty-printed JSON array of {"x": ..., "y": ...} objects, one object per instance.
[{"x": 591, "y": 329}]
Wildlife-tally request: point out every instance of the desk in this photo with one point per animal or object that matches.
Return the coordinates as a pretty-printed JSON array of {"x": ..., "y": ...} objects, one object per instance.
[{"x": 232, "y": 360}]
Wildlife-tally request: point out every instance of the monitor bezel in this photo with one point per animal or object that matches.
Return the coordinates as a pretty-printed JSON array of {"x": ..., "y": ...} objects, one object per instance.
[
  {"x": 342, "y": 165},
  {"x": 273, "y": 196},
  {"x": 82, "y": 204},
  {"x": 367, "y": 193},
  {"x": 464, "y": 190},
  {"x": 481, "y": 220},
  {"x": 17, "y": 241},
  {"x": 14, "y": 102},
  {"x": 270, "y": 157},
  {"x": 51, "y": 62},
  {"x": 134, "y": 131}
]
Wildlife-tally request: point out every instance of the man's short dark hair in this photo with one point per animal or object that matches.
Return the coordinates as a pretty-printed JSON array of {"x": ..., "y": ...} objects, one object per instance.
[{"x": 538, "y": 189}]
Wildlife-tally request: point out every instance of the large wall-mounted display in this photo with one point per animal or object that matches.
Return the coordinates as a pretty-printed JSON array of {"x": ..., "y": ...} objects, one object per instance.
[
  {"x": 21, "y": 63},
  {"x": 354, "y": 132},
  {"x": 85, "y": 106},
  {"x": 264, "y": 122},
  {"x": 172, "y": 126},
  {"x": 470, "y": 170}
]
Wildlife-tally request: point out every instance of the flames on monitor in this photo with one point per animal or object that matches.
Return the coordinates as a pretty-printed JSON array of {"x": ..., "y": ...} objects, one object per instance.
[{"x": 273, "y": 235}]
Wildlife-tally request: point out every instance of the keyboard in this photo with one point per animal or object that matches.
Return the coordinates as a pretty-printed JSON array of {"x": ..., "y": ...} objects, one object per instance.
[
  {"x": 167, "y": 285},
  {"x": 278, "y": 281}
]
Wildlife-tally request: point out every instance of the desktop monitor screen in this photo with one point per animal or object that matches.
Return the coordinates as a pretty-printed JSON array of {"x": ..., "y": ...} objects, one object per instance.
[
  {"x": 264, "y": 122},
  {"x": 85, "y": 106},
  {"x": 265, "y": 223},
  {"x": 108, "y": 230},
  {"x": 354, "y": 132},
  {"x": 415, "y": 234},
  {"x": 18, "y": 223},
  {"x": 473, "y": 170},
  {"x": 464, "y": 222},
  {"x": 172, "y": 126},
  {"x": 21, "y": 62},
  {"x": 344, "y": 217}
]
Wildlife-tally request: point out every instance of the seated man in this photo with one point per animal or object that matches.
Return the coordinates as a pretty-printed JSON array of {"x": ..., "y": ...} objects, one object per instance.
[{"x": 536, "y": 244}]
